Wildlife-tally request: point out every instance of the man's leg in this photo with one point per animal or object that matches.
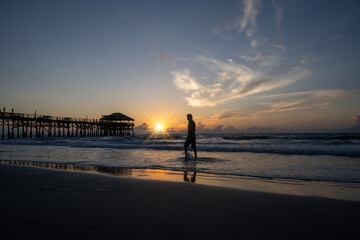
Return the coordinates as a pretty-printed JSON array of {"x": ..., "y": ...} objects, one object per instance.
[
  {"x": 186, "y": 144},
  {"x": 193, "y": 146}
]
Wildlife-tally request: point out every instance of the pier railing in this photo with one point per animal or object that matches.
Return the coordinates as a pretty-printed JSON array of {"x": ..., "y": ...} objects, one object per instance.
[{"x": 20, "y": 125}]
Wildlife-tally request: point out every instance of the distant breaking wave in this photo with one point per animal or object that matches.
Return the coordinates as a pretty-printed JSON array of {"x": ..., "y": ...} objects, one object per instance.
[
  {"x": 296, "y": 137},
  {"x": 288, "y": 144}
]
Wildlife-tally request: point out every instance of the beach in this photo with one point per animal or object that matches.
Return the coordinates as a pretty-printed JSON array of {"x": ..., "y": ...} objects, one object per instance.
[
  {"x": 55, "y": 204},
  {"x": 179, "y": 120}
]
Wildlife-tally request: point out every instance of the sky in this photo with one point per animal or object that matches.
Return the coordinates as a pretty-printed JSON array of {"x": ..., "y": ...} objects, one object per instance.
[{"x": 234, "y": 65}]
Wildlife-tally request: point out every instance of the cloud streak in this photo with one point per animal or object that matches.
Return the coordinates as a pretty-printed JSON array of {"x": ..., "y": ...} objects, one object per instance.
[
  {"x": 231, "y": 81},
  {"x": 306, "y": 100},
  {"x": 278, "y": 12},
  {"x": 247, "y": 19},
  {"x": 251, "y": 10}
]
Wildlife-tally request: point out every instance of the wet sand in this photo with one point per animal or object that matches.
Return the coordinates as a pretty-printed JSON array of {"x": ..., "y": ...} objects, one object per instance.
[{"x": 40, "y": 203}]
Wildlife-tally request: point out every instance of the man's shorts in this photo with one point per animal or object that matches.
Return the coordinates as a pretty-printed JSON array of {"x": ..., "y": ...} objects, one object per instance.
[{"x": 191, "y": 139}]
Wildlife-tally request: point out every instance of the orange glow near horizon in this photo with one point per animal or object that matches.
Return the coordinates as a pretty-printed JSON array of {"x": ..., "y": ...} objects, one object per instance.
[
  {"x": 159, "y": 120},
  {"x": 159, "y": 131}
]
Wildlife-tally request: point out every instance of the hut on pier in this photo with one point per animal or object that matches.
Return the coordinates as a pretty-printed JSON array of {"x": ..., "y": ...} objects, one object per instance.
[{"x": 117, "y": 124}]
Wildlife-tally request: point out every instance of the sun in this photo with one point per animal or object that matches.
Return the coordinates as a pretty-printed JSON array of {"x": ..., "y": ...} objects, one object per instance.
[
  {"x": 160, "y": 131},
  {"x": 159, "y": 127}
]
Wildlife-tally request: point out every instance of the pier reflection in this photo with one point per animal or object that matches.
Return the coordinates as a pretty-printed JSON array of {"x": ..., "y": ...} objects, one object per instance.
[
  {"x": 73, "y": 167},
  {"x": 189, "y": 171}
]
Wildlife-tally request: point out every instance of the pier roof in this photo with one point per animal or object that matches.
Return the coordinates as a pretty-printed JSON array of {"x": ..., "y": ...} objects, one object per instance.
[{"x": 116, "y": 117}]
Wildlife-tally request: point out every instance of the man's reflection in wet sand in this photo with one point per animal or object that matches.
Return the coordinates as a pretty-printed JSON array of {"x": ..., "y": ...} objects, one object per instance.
[{"x": 190, "y": 169}]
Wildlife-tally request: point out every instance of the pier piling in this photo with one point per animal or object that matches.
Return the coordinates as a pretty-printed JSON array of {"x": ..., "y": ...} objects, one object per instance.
[{"x": 42, "y": 126}]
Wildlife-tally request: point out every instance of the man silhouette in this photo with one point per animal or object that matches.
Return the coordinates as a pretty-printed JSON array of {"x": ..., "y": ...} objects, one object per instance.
[{"x": 191, "y": 138}]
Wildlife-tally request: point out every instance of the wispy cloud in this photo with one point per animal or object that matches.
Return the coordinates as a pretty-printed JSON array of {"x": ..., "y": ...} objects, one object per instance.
[
  {"x": 278, "y": 12},
  {"x": 229, "y": 116},
  {"x": 305, "y": 100},
  {"x": 282, "y": 47},
  {"x": 278, "y": 19},
  {"x": 251, "y": 10},
  {"x": 257, "y": 41},
  {"x": 247, "y": 19},
  {"x": 184, "y": 81},
  {"x": 262, "y": 60},
  {"x": 246, "y": 22},
  {"x": 231, "y": 81}
]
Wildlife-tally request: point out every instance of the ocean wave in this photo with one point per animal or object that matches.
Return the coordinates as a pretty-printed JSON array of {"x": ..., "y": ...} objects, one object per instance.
[
  {"x": 335, "y": 145},
  {"x": 245, "y": 137},
  {"x": 295, "y": 137},
  {"x": 345, "y": 153}
]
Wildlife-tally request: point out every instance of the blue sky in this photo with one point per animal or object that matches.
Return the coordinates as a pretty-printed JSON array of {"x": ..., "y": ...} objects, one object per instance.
[{"x": 287, "y": 65}]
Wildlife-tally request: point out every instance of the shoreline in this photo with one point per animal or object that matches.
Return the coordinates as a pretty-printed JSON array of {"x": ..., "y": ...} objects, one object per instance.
[
  {"x": 327, "y": 189},
  {"x": 47, "y": 204}
]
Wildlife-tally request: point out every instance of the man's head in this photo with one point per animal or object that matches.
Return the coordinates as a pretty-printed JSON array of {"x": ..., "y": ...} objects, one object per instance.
[{"x": 189, "y": 116}]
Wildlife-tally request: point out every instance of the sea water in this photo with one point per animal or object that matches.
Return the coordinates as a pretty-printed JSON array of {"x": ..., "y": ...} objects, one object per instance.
[{"x": 315, "y": 157}]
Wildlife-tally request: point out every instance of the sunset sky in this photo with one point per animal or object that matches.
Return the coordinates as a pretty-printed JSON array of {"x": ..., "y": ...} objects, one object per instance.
[{"x": 284, "y": 65}]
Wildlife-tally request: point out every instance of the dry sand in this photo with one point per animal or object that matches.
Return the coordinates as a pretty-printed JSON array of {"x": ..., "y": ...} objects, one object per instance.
[{"x": 50, "y": 204}]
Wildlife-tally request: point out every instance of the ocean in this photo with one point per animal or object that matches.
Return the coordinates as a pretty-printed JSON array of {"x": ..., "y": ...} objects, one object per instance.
[{"x": 333, "y": 157}]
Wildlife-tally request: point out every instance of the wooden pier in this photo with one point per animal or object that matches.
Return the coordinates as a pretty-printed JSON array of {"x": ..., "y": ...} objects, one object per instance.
[{"x": 20, "y": 125}]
